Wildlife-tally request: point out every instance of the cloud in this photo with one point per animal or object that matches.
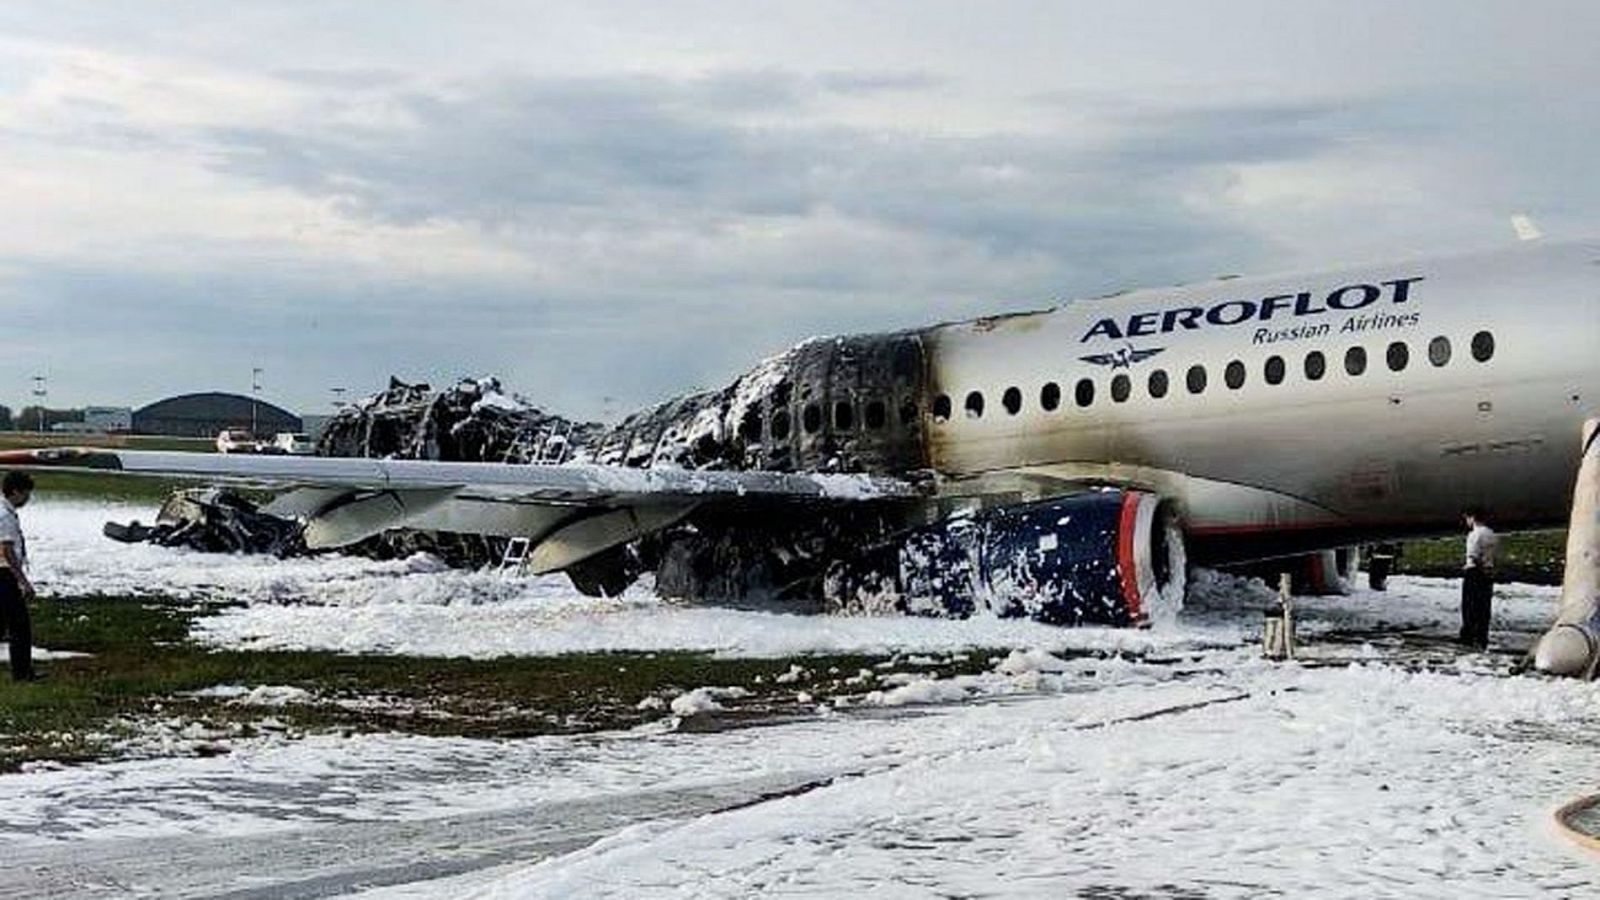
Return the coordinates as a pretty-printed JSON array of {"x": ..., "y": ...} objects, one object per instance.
[
  {"x": 621, "y": 200},
  {"x": 641, "y": 162}
]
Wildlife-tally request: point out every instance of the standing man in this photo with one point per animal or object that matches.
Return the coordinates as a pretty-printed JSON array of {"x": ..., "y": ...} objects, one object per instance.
[
  {"x": 1477, "y": 581},
  {"x": 15, "y": 589}
]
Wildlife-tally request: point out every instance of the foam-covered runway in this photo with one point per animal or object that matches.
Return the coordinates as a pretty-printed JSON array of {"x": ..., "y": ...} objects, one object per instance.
[{"x": 1384, "y": 765}]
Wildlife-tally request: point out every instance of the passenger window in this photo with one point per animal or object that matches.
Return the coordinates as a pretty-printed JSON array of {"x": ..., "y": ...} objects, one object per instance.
[
  {"x": 1050, "y": 396},
  {"x": 1084, "y": 392},
  {"x": 1195, "y": 379},
  {"x": 874, "y": 416},
  {"x": 1274, "y": 370},
  {"x": 750, "y": 426},
  {"x": 1399, "y": 356},
  {"x": 811, "y": 418},
  {"x": 780, "y": 425},
  {"x": 1158, "y": 384},
  {"x": 1355, "y": 360},
  {"x": 1233, "y": 375},
  {"x": 908, "y": 412},
  {"x": 941, "y": 408},
  {"x": 1121, "y": 387},
  {"x": 844, "y": 416},
  {"x": 975, "y": 405},
  {"x": 1482, "y": 346},
  {"x": 1012, "y": 400},
  {"x": 1316, "y": 365},
  {"x": 1439, "y": 350}
]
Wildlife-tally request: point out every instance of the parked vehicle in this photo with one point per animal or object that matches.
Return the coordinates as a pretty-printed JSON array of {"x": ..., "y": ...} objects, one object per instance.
[
  {"x": 293, "y": 443},
  {"x": 235, "y": 440}
]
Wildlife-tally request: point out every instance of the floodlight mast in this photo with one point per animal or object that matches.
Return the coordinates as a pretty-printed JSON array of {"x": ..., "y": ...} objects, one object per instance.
[
  {"x": 255, "y": 391},
  {"x": 41, "y": 391}
]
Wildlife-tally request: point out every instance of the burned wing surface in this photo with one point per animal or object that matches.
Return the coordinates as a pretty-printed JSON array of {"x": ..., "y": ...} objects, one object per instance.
[{"x": 570, "y": 513}]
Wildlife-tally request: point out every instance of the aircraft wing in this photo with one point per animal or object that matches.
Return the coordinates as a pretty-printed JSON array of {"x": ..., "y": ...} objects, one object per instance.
[{"x": 567, "y": 511}]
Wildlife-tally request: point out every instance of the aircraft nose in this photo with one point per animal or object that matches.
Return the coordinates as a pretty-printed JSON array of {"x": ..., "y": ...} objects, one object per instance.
[{"x": 1566, "y": 649}]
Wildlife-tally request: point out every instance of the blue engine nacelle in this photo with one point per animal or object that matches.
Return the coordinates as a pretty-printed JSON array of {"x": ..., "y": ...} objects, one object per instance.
[{"x": 1108, "y": 557}]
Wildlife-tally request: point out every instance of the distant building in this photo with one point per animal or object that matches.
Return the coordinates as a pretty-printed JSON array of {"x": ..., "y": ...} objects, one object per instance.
[
  {"x": 75, "y": 428},
  {"x": 203, "y": 415},
  {"x": 108, "y": 419}
]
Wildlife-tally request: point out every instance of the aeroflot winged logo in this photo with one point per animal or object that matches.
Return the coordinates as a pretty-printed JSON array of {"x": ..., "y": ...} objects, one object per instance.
[
  {"x": 1348, "y": 298},
  {"x": 1123, "y": 358}
]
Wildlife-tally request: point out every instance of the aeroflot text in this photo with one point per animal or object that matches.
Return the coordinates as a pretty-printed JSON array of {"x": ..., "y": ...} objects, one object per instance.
[{"x": 1233, "y": 312}]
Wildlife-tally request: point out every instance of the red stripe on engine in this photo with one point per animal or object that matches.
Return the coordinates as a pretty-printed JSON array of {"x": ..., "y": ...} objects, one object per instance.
[{"x": 1127, "y": 570}]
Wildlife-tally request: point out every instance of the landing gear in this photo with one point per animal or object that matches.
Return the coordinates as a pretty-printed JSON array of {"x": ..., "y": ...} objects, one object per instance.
[
  {"x": 1572, "y": 646},
  {"x": 1380, "y": 562}
]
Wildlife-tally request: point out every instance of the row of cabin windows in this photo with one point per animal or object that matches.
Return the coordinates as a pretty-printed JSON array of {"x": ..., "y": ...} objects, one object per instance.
[
  {"x": 1397, "y": 356},
  {"x": 874, "y": 417}
]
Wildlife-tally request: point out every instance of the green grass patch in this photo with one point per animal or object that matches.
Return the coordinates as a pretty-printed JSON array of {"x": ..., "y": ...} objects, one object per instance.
[
  {"x": 104, "y": 486},
  {"x": 1530, "y": 557},
  {"x": 94, "y": 707},
  {"x": 28, "y": 440}
]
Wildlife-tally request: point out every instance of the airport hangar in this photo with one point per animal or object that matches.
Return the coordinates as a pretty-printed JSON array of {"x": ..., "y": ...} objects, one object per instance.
[{"x": 205, "y": 414}]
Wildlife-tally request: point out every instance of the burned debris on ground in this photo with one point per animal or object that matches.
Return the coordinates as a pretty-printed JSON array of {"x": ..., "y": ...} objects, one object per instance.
[
  {"x": 215, "y": 520},
  {"x": 472, "y": 421}
]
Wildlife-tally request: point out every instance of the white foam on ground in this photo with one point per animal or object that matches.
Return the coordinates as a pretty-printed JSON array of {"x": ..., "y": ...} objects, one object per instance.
[
  {"x": 1220, "y": 776},
  {"x": 1367, "y": 781}
]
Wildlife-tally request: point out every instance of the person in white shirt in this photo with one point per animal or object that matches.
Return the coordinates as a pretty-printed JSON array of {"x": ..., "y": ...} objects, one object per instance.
[
  {"x": 16, "y": 591},
  {"x": 1477, "y": 579}
]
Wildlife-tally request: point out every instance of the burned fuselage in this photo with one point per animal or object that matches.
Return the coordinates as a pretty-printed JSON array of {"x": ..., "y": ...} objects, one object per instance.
[
  {"x": 855, "y": 404},
  {"x": 848, "y": 404}
]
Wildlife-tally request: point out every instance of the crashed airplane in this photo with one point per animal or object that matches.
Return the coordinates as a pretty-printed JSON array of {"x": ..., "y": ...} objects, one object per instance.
[{"x": 1061, "y": 464}]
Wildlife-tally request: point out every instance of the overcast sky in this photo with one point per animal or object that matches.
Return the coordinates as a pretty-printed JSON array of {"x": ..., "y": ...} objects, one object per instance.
[{"x": 624, "y": 200}]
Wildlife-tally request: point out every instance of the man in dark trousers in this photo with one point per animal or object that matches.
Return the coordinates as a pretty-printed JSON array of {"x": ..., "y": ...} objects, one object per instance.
[
  {"x": 1477, "y": 579},
  {"x": 15, "y": 589}
]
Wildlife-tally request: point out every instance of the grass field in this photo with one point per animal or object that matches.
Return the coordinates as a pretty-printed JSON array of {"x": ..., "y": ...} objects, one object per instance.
[
  {"x": 142, "y": 662},
  {"x": 1531, "y": 557},
  {"x": 27, "y": 440},
  {"x": 93, "y": 485}
]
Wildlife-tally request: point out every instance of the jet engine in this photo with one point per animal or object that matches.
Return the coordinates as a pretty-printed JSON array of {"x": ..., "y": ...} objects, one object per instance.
[{"x": 1108, "y": 557}]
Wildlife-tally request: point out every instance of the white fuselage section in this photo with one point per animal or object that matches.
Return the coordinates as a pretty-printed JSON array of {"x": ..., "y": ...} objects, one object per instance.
[{"x": 1478, "y": 372}]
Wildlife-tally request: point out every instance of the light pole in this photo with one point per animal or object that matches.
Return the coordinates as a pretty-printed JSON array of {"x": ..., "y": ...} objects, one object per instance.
[
  {"x": 41, "y": 391},
  {"x": 255, "y": 390},
  {"x": 338, "y": 397}
]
